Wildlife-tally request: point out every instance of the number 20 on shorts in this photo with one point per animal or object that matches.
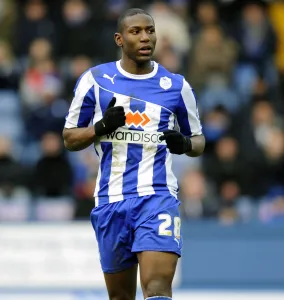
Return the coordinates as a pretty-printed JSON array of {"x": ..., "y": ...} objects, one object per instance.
[{"x": 163, "y": 227}]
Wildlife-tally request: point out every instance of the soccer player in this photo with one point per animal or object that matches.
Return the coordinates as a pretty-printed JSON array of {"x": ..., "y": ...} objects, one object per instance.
[{"x": 137, "y": 114}]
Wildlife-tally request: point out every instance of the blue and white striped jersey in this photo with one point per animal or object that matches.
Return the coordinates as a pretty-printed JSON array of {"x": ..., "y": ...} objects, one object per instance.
[{"x": 133, "y": 162}]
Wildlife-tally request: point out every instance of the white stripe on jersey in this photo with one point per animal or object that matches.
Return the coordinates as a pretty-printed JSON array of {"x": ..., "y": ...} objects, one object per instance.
[
  {"x": 98, "y": 111},
  {"x": 146, "y": 165},
  {"x": 86, "y": 82},
  {"x": 119, "y": 158},
  {"x": 171, "y": 123},
  {"x": 98, "y": 116},
  {"x": 100, "y": 152},
  {"x": 191, "y": 107},
  {"x": 171, "y": 179}
]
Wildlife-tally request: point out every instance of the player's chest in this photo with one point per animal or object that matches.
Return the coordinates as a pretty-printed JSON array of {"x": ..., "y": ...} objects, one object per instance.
[{"x": 147, "y": 106}]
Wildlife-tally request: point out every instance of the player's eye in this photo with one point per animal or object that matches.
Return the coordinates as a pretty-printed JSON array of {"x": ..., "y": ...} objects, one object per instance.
[
  {"x": 134, "y": 31},
  {"x": 151, "y": 30}
]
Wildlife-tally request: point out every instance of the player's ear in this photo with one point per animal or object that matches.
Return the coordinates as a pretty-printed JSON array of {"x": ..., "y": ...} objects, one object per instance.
[{"x": 118, "y": 39}]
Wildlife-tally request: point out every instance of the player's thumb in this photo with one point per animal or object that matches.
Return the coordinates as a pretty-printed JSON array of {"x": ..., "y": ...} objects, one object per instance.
[{"x": 112, "y": 103}]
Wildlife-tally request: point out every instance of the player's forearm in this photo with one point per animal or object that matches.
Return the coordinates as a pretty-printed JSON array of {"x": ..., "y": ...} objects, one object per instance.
[
  {"x": 198, "y": 145},
  {"x": 76, "y": 139}
]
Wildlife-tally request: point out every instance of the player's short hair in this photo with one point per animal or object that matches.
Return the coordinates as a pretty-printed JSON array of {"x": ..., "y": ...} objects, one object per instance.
[{"x": 128, "y": 13}]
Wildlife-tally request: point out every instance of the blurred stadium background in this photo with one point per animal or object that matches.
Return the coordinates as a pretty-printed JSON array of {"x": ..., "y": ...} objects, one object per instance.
[{"x": 232, "y": 53}]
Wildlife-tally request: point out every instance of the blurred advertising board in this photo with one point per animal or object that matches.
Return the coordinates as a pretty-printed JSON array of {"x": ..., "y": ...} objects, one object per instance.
[{"x": 51, "y": 255}]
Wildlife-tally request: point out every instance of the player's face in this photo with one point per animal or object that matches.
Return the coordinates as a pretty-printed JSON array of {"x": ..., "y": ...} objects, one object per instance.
[{"x": 138, "y": 38}]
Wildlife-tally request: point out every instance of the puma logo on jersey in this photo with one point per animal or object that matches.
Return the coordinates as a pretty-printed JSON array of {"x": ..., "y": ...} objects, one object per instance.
[{"x": 110, "y": 78}]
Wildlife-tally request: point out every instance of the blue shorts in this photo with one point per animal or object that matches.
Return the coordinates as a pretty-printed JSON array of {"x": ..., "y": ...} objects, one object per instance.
[{"x": 148, "y": 223}]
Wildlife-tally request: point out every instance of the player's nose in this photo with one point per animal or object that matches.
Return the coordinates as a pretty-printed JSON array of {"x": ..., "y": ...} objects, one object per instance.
[{"x": 144, "y": 36}]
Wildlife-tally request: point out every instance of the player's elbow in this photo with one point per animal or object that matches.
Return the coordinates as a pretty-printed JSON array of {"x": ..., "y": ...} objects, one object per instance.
[
  {"x": 69, "y": 146},
  {"x": 67, "y": 139}
]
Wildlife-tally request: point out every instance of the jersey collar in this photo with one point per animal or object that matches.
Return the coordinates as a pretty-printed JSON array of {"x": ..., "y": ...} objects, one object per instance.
[{"x": 135, "y": 76}]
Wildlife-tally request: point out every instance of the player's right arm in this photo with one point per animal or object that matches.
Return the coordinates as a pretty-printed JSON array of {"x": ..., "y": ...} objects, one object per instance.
[
  {"x": 77, "y": 133},
  {"x": 76, "y": 139}
]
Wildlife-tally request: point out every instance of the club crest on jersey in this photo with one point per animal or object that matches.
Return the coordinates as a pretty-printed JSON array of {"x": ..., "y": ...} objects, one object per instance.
[
  {"x": 165, "y": 82},
  {"x": 137, "y": 118}
]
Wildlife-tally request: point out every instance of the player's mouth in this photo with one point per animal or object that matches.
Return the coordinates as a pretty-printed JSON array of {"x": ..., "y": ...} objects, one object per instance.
[{"x": 145, "y": 50}]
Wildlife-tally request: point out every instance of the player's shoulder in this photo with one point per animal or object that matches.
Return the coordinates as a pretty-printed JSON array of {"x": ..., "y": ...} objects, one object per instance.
[
  {"x": 105, "y": 68},
  {"x": 165, "y": 75}
]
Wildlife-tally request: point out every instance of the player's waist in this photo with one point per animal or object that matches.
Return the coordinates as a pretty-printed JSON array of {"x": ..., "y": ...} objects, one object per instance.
[
  {"x": 106, "y": 199},
  {"x": 133, "y": 136}
]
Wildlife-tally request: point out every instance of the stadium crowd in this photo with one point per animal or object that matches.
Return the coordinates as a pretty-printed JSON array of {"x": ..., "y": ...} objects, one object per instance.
[{"x": 231, "y": 52}]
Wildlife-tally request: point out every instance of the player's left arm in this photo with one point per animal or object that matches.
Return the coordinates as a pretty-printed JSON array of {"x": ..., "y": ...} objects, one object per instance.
[
  {"x": 189, "y": 140},
  {"x": 197, "y": 145}
]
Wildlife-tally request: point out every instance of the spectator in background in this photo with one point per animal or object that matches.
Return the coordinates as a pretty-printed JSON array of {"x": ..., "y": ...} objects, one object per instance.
[
  {"x": 8, "y": 13},
  {"x": 53, "y": 182},
  {"x": 14, "y": 183},
  {"x": 85, "y": 199},
  {"x": 14, "y": 178},
  {"x": 226, "y": 163},
  {"x": 180, "y": 7},
  {"x": 169, "y": 57},
  {"x": 216, "y": 123},
  {"x": 254, "y": 136},
  {"x": 229, "y": 196},
  {"x": 274, "y": 158},
  {"x": 210, "y": 69},
  {"x": 53, "y": 173},
  {"x": 253, "y": 133},
  {"x": 271, "y": 208},
  {"x": 40, "y": 49},
  {"x": 206, "y": 15},
  {"x": 197, "y": 200},
  {"x": 112, "y": 9},
  {"x": 276, "y": 14},
  {"x": 257, "y": 41},
  {"x": 72, "y": 71},
  {"x": 41, "y": 88},
  {"x": 79, "y": 31},
  {"x": 40, "y": 67},
  {"x": 260, "y": 92},
  {"x": 85, "y": 165},
  {"x": 176, "y": 35},
  {"x": 212, "y": 59},
  {"x": 47, "y": 113},
  {"x": 9, "y": 71},
  {"x": 33, "y": 24}
]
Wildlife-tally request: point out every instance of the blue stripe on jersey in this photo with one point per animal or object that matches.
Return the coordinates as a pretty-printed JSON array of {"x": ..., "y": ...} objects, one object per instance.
[
  {"x": 106, "y": 159},
  {"x": 105, "y": 172},
  {"x": 164, "y": 118},
  {"x": 97, "y": 153},
  {"x": 182, "y": 118},
  {"x": 159, "y": 168},
  {"x": 105, "y": 95},
  {"x": 87, "y": 108},
  {"x": 134, "y": 154}
]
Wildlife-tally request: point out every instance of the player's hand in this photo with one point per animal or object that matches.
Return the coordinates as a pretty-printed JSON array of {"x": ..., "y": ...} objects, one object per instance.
[
  {"x": 176, "y": 142},
  {"x": 113, "y": 118}
]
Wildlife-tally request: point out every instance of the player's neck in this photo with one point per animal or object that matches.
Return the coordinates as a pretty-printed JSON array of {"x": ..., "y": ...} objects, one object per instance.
[{"x": 132, "y": 67}]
